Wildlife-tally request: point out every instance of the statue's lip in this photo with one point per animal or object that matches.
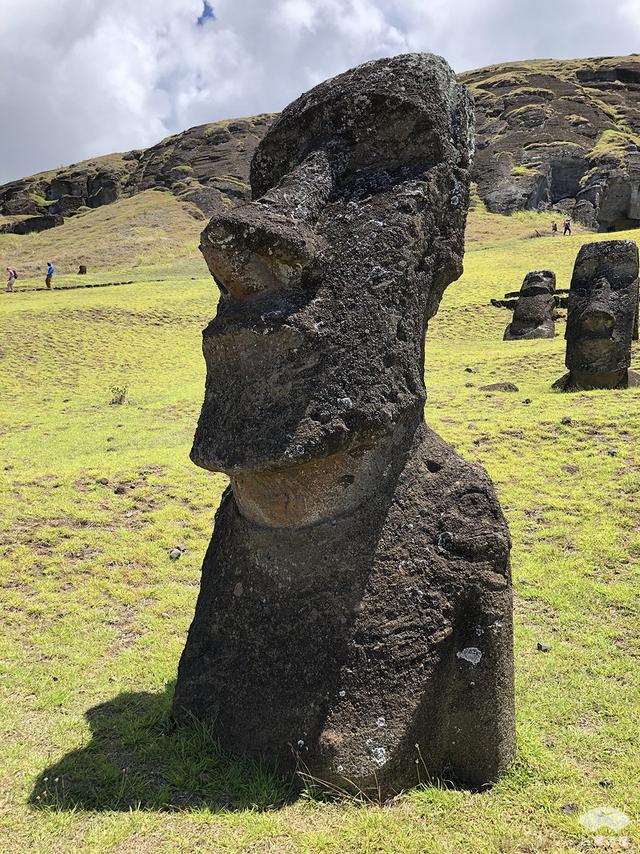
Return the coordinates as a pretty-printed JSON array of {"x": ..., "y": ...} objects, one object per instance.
[{"x": 253, "y": 314}]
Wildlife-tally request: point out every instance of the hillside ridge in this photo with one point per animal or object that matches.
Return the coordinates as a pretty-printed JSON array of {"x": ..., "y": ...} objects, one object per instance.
[{"x": 559, "y": 135}]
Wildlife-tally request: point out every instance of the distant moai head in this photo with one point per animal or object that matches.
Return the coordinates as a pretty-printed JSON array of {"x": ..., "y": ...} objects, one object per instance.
[
  {"x": 328, "y": 277},
  {"x": 533, "y": 314},
  {"x": 602, "y": 313}
]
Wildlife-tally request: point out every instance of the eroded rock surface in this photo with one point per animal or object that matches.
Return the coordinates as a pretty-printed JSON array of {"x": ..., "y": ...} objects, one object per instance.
[
  {"x": 533, "y": 315},
  {"x": 354, "y": 618},
  {"x": 560, "y": 134},
  {"x": 207, "y": 165},
  {"x": 602, "y": 317}
]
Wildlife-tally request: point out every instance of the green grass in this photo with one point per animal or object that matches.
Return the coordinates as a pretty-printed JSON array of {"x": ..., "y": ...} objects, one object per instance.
[
  {"x": 150, "y": 234},
  {"x": 614, "y": 146},
  {"x": 95, "y": 612}
]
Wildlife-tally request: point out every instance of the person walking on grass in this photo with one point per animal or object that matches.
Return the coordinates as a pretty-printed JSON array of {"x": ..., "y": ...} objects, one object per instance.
[
  {"x": 50, "y": 272},
  {"x": 566, "y": 227},
  {"x": 554, "y": 228},
  {"x": 11, "y": 277}
]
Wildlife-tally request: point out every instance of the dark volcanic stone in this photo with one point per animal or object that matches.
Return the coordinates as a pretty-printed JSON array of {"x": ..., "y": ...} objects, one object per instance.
[
  {"x": 206, "y": 165},
  {"x": 533, "y": 314},
  {"x": 32, "y": 225},
  {"x": 499, "y": 387},
  {"x": 602, "y": 316},
  {"x": 356, "y": 595}
]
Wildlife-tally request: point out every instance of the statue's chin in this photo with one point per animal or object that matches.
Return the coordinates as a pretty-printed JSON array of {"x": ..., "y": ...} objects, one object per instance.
[
  {"x": 322, "y": 489},
  {"x": 307, "y": 494}
]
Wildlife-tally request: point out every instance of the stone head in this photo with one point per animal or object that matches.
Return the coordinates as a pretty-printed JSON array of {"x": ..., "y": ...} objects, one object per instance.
[
  {"x": 329, "y": 275},
  {"x": 533, "y": 314},
  {"x": 602, "y": 309}
]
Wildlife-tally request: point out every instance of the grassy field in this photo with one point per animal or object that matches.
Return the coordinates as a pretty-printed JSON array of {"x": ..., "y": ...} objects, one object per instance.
[{"x": 96, "y": 493}]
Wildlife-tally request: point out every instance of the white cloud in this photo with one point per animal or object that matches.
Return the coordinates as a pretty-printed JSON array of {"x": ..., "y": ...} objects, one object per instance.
[{"x": 87, "y": 77}]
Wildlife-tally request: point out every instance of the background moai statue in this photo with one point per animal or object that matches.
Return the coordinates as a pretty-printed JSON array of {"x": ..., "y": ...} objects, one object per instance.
[
  {"x": 602, "y": 317},
  {"x": 355, "y": 613},
  {"x": 535, "y": 309}
]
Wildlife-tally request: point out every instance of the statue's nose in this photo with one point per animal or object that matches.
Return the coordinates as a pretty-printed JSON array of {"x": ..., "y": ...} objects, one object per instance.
[
  {"x": 598, "y": 318},
  {"x": 251, "y": 250}
]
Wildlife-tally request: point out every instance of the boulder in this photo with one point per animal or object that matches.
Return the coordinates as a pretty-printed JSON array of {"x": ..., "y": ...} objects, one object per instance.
[
  {"x": 33, "y": 224},
  {"x": 507, "y": 386},
  {"x": 354, "y": 620}
]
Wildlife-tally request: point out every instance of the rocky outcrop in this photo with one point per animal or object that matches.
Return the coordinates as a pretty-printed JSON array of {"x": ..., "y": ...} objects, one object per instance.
[
  {"x": 560, "y": 134},
  {"x": 207, "y": 165},
  {"x": 602, "y": 317},
  {"x": 30, "y": 224},
  {"x": 354, "y": 615},
  {"x": 551, "y": 134}
]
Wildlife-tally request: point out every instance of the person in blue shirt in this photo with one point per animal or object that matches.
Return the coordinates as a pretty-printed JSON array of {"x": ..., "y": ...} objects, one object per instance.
[{"x": 50, "y": 272}]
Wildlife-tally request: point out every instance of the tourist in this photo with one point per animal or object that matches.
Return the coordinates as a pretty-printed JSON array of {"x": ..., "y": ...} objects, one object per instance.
[
  {"x": 554, "y": 228},
  {"x": 11, "y": 277},
  {"x": 50, "y": 272},
  {"x": 566, "y": 226}
]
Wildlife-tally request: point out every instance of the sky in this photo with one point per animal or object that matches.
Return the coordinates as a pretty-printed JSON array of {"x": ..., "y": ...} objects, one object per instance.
[{"x": 80, "y": 78}]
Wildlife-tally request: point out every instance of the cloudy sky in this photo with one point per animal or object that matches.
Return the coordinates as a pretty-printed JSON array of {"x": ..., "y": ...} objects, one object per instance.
[{"x": 80, "y": 78}]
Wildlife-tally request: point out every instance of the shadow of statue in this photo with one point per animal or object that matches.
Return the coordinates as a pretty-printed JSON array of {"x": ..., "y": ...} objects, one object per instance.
[{"x": 139, "y": 758}]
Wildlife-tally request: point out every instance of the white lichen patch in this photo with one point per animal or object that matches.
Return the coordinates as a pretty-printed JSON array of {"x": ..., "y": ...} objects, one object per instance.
[
  {"x": 379, "y": 755},
  {"x": 471, "y": 654}
]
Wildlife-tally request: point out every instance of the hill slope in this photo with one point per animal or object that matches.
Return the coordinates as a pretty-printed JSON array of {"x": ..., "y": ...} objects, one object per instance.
[
  {"x": 560, "y": 132},
  {"x": 207, "y": 165}
]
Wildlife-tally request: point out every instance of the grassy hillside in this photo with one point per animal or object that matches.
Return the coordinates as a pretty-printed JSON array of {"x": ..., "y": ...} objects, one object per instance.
[
  {"x": 150, "y": 233},
  {"x": 96, "y": 493}
]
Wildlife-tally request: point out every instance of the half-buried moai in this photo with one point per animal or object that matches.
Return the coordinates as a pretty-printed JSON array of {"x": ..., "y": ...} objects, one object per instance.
[
  {"x": 533, "y": 316},
  {"x": 354, "y": 616},
  {"x": 602, "y": 317}
]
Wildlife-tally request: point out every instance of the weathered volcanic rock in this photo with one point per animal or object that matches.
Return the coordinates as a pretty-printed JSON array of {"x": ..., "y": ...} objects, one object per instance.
[
  {"x": 560, "y": 134},
  {"x": 602, "y": 316},
  {"x": 534, "y": 312},
  {"x": 206, "y": 165},
  {"x": 506, "y": 386},
  {"x": 355, "y": 607},
  {"x": 31, "y": 224}
]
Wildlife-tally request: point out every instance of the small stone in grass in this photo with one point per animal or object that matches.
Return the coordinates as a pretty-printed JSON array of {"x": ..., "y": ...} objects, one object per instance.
[
  {"x": 120, "y": 490},
  {"x": 543, "y": 647},
  {"x": 499, "y": 387},
  {"x": 175, "y": 554},
  {"x": 104, "y": 481},
  {"x": 609, "y": 817},
  {"x": 569, "y": 809},
  {"x": 527, "y": 401},
  {"x": 606, "y": 783},
  {"x": 471, "y": 370},
  {"x": 613, "y": 452},
  {"x": 565, "y": 420}
]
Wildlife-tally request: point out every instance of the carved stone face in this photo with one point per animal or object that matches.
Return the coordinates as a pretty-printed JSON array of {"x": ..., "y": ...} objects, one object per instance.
[
  {"x": 533, "y": 314},
  {"x": 329, "y": 276},
  {"x": 602, "y": 309}
]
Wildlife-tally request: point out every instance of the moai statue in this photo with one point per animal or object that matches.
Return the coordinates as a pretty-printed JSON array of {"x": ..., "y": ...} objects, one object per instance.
[
  {"x": 602, "y": 317},
  {"x": 354, "y": 620},
  {"x": 535, "y": 309}
]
